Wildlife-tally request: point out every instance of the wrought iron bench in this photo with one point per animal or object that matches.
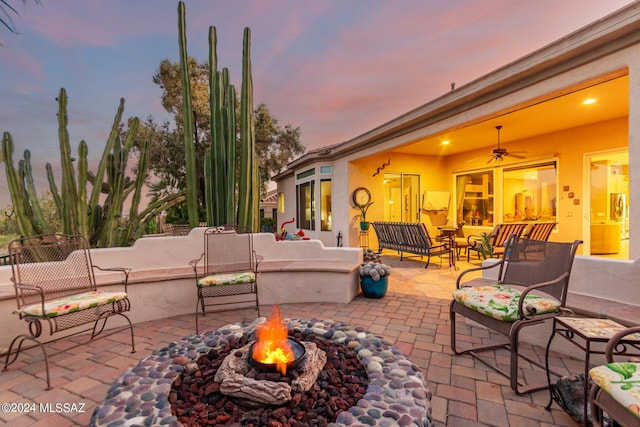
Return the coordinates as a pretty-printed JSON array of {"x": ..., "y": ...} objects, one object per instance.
[
  {"x": 55, "y": 285},
  {"x": 411, "y": 238}
]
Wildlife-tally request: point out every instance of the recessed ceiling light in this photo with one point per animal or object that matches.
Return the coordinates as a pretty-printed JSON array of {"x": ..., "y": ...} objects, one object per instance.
[
  {"x": 589, "y": 101},
  {"x": 445, "y": 142}
]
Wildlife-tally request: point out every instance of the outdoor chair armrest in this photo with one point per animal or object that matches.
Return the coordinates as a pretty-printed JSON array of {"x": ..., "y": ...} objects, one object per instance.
[
  {"x": 615, "y": 340},
  {"x": 194, "y": 263},
  {"x": 474, "y": 240},
  {"x": 470, "y": 270},
  {"x": 258, "y": 258},
  {"x": 122, "y": 270},
  {"x": 537, "y": 286},
  {"x": 31, "y": 288}
]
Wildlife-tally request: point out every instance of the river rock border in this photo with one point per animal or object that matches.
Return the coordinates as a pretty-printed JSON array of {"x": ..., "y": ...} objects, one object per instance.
[{"x": 397, "y": 393}]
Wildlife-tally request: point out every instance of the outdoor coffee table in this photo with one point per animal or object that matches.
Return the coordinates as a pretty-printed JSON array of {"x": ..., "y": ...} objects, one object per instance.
[{"x": 590, "y": 335}]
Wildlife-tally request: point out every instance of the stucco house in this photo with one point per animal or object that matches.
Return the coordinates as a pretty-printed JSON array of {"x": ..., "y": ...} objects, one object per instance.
[{"x": 568, "y": 114}]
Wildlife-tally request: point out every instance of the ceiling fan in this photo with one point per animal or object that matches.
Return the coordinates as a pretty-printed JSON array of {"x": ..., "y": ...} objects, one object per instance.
[{"x": 498, "y": 154}]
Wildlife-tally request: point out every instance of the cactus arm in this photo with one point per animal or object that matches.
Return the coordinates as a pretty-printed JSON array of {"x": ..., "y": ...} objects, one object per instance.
[
  {"x": 69, "y": 192},
  {"x": 215, "y": 192},
  {"x": 230, "y": 203},
  {"x": 189, "y": 145},
  {"x": 99, "y": 176},
  {"x": 139, "y": 182},
  {"x": 209, "y": 190},
  {"x": 133, "y": 230},
  {"x": 15, "y": 186},
  {"x": 54, "y": 189},
  {"x": 248, "y": 190},
  {"x": 83, "y": 209},
  {"x": 32, "y": 194}
]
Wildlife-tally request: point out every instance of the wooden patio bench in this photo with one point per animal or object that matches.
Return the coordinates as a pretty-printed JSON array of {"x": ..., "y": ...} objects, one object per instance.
[
  {"x": 411, "y": 238},
  {"x": 55, "y": 285}
]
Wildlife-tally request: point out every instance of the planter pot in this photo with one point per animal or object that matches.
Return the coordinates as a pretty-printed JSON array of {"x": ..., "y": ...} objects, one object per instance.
[
  {"x": 364, "y": 226},
  {"x": 372, "y": 289}
]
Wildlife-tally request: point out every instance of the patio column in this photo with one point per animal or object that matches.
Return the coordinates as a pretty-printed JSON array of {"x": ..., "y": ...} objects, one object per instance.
[{"x": 634, "y": 157}]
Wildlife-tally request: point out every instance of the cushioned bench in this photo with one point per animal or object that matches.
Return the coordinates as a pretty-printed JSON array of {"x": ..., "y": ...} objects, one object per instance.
[{"x": 55, "y": 287}]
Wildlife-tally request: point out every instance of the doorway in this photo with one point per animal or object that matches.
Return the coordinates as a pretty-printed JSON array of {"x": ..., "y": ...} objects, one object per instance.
[
  {"x": 401, "y": 197},
  {"x": 608, "y": 204}
]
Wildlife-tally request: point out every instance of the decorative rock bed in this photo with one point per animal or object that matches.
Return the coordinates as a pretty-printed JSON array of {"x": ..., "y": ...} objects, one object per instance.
[{"x": 397, "y": 393}]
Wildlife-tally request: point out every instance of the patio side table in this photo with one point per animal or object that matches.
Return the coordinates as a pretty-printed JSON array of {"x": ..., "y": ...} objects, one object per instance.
[
  {"x": 591, "y": 336},
  {"x": 449, "y": 234}
]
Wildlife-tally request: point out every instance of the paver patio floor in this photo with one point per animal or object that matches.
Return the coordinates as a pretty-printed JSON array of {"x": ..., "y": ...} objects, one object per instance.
[{"x": 414, "y": 314}]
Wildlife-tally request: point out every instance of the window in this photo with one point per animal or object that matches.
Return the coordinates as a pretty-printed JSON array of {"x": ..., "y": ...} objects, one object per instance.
[
  {"x": 474, "y": 198},
  {"x": 325, "y": 205},
  {"x": 530, "y": 193},
  {"x": 306, "y": 205}
]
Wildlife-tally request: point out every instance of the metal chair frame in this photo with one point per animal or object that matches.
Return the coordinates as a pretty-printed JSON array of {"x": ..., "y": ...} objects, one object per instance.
[
  {"x": 51, "y": 266},
  {"x": 600, "y": 401},
  {"x": 227, "y": 249},
  {"x": 533, "y": 267}
]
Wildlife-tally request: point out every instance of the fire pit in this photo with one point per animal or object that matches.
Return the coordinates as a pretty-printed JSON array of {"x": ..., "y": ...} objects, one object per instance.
[
  {"x": 274, "y": 350},
  {"x": 396, "y": 395},
  {"x": 298, "y": 352}
]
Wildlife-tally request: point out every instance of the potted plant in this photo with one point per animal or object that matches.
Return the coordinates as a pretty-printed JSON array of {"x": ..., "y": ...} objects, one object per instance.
[
  {"x": 369, "y": 255},
  {"x": 267, "y": 225},
  {"x": 364, "y": 224},
  {"x": 374, "y": 279},
  {"x": 486, "y": 250}
]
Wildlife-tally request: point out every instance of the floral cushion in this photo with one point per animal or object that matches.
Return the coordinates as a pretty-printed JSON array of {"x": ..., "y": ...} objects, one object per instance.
[
  {"x": 501, "y": 302},
  {"x": 621, "y": 381},
  {"x": 228, "y": 279},
  {"x": 72, "y": 303}
]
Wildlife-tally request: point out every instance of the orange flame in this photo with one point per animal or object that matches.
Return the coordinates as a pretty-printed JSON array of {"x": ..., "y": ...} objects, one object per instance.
[{"x": 272, "y": 346}]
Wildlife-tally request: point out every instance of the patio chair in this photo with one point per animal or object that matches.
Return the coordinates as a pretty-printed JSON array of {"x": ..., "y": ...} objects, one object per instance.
[
  {"x": 531, "y": 287},
  {"x": 230, "y": 269},
  {"x": 615, "y": 385},
  {"x": 54, "y": 281},
  {"x": 497, "y": 238},
  {"x": 539, "y": 230}
]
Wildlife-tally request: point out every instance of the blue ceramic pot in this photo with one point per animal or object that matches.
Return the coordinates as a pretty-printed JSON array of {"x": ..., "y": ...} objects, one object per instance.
[
  {"x": 364, "y": 226},
  {"x": 372, "y": 289}
]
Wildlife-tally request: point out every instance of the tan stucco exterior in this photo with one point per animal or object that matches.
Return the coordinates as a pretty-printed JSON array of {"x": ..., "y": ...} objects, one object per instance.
[{"x": 608, "y": 50}]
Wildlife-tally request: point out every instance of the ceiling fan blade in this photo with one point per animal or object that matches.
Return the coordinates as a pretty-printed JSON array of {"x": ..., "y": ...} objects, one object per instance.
[{"x": 517, "y": 156}]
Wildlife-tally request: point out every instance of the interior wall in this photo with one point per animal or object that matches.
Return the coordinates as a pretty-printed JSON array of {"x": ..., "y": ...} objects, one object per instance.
[{"x": 569, "y": 147}]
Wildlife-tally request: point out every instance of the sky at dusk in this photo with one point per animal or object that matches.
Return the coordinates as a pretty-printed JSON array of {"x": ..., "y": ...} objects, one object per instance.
[{"x": 335, "y": 68}]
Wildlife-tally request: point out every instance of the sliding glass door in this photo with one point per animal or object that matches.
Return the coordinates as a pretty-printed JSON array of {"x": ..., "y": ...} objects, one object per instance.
[{"x": 401, "y": 197}]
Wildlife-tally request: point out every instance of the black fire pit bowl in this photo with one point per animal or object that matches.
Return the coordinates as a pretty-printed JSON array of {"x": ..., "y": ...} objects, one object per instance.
[{"x": 297, "y": 348}]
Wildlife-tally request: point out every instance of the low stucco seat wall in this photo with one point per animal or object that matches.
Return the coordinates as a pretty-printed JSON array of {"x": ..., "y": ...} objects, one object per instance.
[{"x": 161, "y": 283}]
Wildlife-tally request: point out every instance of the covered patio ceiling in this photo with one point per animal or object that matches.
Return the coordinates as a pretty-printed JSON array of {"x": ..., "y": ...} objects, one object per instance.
[{"x": 564, "y": 111}]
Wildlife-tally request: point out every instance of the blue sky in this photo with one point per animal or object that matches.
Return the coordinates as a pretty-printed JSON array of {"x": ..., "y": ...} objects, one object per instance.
[{"x": 335, "y": 68}]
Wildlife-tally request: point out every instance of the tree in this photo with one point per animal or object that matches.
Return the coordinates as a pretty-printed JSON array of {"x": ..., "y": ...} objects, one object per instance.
[{"x": 275, "y": 145}]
